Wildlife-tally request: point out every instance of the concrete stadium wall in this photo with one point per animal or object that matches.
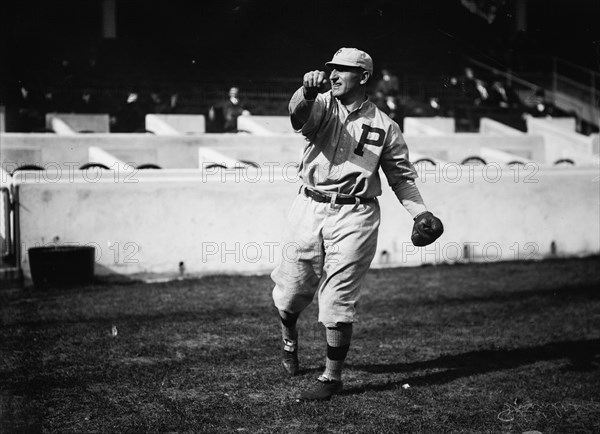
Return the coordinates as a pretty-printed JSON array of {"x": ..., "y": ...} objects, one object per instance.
[
  {"x": 569, "y": 124},
  {"x": 560, "y": 139},
  {"x": 501, "y": 213},
  {"x": 182, "y": 124},
  {"x": 456, "y": 147},
  {"x": 434, "y": 126},
  {"x": 491, "y": 127},
  {"x": 150, "y": 222},
  {"x": 182, "y": 151},
  {"x": 167, "y": 152},
  {"x": 562, "y": 143},
  {"x": 97, "y": 123},
  {"x": 572, "y": 104},
  {"x": 265, "y": 125}
]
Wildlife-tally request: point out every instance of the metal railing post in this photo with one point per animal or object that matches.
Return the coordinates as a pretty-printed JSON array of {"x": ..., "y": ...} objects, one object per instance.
[{"x": 7, "y": 207}]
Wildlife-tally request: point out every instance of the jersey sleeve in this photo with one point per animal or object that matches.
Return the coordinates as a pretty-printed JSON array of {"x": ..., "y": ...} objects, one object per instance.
[
  {"x": 316, "y": 107},
  {"x": 400, "y": 172}
]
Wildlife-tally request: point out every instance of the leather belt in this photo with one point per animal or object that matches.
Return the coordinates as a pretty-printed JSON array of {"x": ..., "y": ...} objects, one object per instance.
[{"x": 317, "y": 196}]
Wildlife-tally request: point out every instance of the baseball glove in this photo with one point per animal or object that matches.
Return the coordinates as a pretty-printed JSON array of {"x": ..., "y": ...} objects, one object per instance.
[{"x": 427, "y": 229}]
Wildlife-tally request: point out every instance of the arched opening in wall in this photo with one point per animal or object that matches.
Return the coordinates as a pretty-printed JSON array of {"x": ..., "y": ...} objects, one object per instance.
[
  {"x": 564, "y": 162},
  {"x": 26, "y": 167},
  {"x": 425, "y": 162},
  {"x": 93, "y": 166},
  {"x": 473, "y": 161},
  {"x": 249, "y": 163},
  {"x": 215, "y": 165}
]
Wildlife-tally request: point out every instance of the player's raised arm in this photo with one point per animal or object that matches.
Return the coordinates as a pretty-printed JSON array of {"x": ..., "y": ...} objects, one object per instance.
[{"x": 303, "y": 99}]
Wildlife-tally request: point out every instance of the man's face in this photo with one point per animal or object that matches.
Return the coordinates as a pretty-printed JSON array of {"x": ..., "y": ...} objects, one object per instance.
[{"x": 345, "y": 80}]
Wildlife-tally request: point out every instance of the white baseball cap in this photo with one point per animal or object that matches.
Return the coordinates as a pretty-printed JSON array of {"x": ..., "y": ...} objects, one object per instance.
[{"x": 352, "y": 57}]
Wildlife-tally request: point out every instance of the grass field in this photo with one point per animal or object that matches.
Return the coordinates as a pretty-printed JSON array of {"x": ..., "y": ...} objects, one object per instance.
[{"x": 502, "y": 348}]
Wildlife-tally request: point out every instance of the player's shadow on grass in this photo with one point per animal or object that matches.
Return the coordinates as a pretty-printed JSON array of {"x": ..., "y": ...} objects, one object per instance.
[{"x": 445, "y": 369}]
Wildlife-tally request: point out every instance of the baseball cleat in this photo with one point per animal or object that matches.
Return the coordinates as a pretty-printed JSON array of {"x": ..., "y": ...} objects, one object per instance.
[
  {"x": 322, "y": 390},
  {"x": 289, "y": 358}
]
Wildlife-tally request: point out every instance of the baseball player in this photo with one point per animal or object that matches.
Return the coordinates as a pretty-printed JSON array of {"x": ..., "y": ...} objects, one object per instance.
[{"x": 331, "y": 237}]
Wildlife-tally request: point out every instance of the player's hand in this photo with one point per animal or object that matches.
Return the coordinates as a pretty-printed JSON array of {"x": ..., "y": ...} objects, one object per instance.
[
  {"x": 427, "y": 229},
  {"x": 313, "y": 81}
]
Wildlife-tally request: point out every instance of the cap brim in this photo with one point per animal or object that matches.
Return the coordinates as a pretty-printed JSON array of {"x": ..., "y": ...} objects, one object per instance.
[{"x": 342, "y": 63}]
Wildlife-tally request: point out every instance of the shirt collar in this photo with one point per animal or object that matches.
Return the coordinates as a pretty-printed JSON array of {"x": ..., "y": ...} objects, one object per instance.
[{"x": 359, "y": 108}]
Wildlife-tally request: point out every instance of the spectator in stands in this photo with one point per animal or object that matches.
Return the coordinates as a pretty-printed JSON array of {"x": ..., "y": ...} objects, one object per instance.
[
  {"x": 380, "y": 100},
  {"x": 87, "y": 103},
  {"x": 387, "y": 92},
  {"x": 223, "y": 116},
  {"x": 130, "y": 117},
  {"x": 388, "y": 84},
  {"x": 463, "y": 94},
  {"x": 27, "y": 103},
  {"x": 49, "y": 103},
  {"x": 174, "y": 103},
  {"x": 502, "y": 95},
  {"x": 435, "y": 108},
  {"x": 450, "y": 95},
  {"x": 498, "y": 96},
  {"x": 472, "y": 88},
  {"x": 540, "y": 106},
  {"x": 159, "y": 103}
]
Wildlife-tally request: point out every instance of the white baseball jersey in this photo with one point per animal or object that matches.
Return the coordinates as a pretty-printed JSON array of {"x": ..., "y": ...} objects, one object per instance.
[{"x": 345, "y": 150}]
